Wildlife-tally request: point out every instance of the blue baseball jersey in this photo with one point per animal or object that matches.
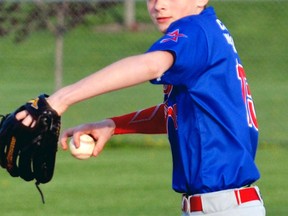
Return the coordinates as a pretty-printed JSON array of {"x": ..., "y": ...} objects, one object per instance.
[{"x": 211, "y": 121}]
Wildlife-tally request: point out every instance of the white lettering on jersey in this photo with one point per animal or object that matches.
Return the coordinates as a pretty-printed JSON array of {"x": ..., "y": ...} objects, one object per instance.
[
  {"x": 230, "y": 41},
  {"x": 228, "y": 37}
]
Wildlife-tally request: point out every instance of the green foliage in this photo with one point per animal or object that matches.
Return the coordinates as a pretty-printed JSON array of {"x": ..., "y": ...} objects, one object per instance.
[{"x": 21, "y": 19}]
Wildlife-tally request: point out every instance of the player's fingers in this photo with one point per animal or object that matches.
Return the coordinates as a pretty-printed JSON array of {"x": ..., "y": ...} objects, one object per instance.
[
  {"x": 28, "y": 121},
  {"x": 21, "y": 115},
  {"x": 64, "y": 138},
  {"x": 76, "y": 139},
  {"x": 63, "y": 143},
  {"x": 100, "y": 143},
  {"x": 33, "y": 124}
]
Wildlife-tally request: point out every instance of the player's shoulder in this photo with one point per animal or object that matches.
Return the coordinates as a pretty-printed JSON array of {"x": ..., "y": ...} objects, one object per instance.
[
  {"x": 189, "y": 22},
  {"x": 196, "y": 24}
]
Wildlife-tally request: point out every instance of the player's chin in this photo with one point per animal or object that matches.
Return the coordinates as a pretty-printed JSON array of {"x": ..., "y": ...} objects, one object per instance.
[{"x": 162, "y": 27}]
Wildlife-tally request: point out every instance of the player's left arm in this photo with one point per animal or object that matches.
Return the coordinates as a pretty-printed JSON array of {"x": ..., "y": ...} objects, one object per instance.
[{"x": 127, "y": 72}]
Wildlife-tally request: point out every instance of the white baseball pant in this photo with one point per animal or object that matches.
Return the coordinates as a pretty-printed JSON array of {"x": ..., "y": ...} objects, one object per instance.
[{"x": 245, "y": 201}]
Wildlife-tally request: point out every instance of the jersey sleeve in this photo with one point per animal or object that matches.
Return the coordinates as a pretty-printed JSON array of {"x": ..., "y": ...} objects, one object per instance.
[
  {"x": 146, "y": 121},
  {"x": 187, "y": 42}
]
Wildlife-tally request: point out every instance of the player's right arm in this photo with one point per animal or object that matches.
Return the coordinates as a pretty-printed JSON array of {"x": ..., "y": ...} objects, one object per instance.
[{"x": 146, "y": 121}]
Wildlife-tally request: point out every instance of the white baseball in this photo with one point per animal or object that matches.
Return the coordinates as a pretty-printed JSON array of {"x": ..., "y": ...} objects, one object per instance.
[{"x": 85, "y": 149}]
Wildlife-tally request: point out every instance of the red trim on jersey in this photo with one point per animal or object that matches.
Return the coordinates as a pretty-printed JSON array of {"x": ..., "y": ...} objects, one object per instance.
[{"x": 147, "y": 121}]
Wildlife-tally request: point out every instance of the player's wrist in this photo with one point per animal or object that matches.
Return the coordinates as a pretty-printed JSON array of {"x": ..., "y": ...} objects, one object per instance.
[
  {"x": 57, "y": 105},
  {"x": 110, "y": 124}
]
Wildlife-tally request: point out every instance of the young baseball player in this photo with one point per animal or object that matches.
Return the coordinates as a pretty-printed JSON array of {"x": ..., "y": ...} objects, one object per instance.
[{"x": 207, "y": 112}]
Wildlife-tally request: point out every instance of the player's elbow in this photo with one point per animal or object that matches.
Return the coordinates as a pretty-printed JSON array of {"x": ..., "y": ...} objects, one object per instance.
[{"x": 158, "y": 62}]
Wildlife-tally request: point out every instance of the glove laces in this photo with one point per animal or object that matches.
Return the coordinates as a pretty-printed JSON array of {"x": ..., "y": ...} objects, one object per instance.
[{"x": 40, "y": 191}]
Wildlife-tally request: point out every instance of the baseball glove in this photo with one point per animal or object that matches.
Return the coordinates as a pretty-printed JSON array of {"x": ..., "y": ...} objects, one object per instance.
[{"x": 26, "y": 152}]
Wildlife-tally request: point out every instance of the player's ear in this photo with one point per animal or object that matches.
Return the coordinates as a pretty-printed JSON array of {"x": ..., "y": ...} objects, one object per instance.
[{"x": 202, "y": 3}]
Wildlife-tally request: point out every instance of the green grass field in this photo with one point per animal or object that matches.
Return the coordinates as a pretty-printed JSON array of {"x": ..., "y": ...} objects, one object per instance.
[
  {"x": 133, "y": 174},
  {"x": 126, "y": 181}
]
